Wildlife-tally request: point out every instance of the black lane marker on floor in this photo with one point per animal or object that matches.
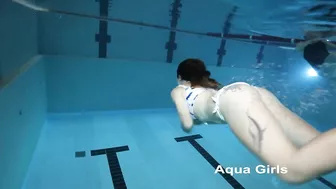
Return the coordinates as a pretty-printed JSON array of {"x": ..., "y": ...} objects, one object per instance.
[
  {"x": 102, "y": 37},
  {"x": 192, "y": 140},
  {"x": 327, "y": 183},
  {"x": 113, "y": 162}
]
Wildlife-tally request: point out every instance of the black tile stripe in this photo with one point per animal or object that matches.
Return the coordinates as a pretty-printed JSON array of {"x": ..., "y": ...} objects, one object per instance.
[
  {"x": 175, "y": 13},
  {"x": 102, "y": 37},
  {"x": 115, "y": 170},
  {"x": 114, "y": 165},
  {"x": 221, "y": 52},
  {"x": 326, "y": 182},
  {"x": 192, "y": 140},
  {"x": 260, "y": 54},
  {"x": 186, "y": 138},
  {"x": 97, "y": 152}
]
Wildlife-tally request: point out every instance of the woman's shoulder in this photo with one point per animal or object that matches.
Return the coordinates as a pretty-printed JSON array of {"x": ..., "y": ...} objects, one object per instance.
[
  {"x": 178, "y": 89},
  {"x": 182, "y": 86}
]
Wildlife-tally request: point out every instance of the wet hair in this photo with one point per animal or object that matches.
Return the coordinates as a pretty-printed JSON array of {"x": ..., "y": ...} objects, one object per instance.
[
  {"x": 194, "y": 71},
  {"x": 207, "y": 74},
  {"x": 212, "y": 82}
]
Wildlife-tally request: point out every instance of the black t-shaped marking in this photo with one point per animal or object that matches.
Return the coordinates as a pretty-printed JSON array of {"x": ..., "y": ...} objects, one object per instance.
[{"x": 192, "y": 140}]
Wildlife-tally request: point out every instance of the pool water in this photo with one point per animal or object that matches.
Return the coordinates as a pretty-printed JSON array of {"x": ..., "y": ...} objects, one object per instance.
[{"x": 142, "y": 149}]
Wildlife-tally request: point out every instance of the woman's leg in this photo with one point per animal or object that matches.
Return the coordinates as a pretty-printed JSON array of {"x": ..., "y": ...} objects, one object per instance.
[
  {"x": 301, "y": 133},
  {"x": 256, "y": 126}
]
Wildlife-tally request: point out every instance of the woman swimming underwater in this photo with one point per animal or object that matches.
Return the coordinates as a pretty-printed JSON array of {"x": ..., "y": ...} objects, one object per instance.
[{"x": 266, "y": 127}]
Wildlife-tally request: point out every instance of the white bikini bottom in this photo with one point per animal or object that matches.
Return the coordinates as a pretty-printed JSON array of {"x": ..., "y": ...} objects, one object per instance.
[{"x": 218, "y": 94}]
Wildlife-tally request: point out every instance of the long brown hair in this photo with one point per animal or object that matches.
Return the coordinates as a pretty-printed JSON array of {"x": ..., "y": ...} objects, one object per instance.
[{"x": 194, "y": 71}]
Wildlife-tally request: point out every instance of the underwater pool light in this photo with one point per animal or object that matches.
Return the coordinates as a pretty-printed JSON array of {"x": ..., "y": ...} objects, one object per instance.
[{"x": 311, "y": 72}]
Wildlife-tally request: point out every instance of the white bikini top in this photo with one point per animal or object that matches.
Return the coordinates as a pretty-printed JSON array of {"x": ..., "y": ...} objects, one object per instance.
[{"x": 191, "y": 95}]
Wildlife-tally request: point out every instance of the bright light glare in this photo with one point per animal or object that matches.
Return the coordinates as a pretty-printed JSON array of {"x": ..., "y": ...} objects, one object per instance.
[{"x": 311, "y": 72}]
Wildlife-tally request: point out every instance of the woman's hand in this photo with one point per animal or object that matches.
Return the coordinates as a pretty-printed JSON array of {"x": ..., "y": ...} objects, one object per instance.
[{"x": 187, "y": 129}]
